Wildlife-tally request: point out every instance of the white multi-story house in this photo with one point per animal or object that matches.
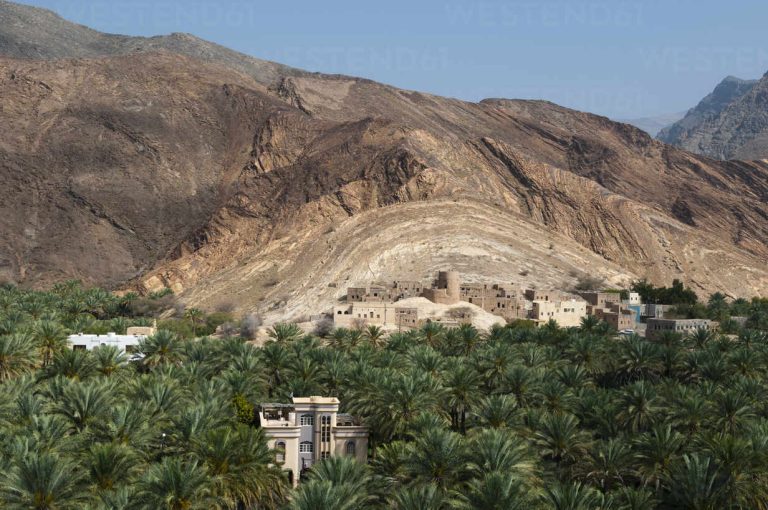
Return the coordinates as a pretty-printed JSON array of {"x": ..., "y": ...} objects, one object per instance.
[{"x": 309, "y": 430}]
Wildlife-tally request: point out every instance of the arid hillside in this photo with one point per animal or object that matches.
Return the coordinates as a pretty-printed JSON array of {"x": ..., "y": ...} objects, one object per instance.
[
  {"x": 729, "y": 123},
  {"x": 275, "y": 191}
]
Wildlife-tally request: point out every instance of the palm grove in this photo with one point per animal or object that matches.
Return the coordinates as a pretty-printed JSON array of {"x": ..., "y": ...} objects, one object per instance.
[{"x": 517, "y": 418}]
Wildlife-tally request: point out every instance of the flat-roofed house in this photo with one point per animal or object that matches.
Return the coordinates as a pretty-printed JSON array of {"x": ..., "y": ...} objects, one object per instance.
[{"x": 309, "y": 430}]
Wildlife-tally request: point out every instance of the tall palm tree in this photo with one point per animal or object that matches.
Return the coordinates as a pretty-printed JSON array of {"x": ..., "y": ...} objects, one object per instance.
[
  {"x": 159, "y": 349},
  {"x": 570, "y": 496},
  {"x": 174, "y": 484},
  {"x": 498, "y": 491},
  {"x": 422, "y": 497},
  {"x": 560, "y": 438},
  {"x": 608, "y": 464},
  {"x": 462, "y": 383},
  {"x": 656, "y": 451},
  {"x": 374, "y": 334},
  {"x": 44, "y": 481},
  {"x": 73, "y": 364},
  {"x": 500, "y": 450},
  {"x": 109, "y": 359},
  {"x": 16, "y": 355},
  {"x": 318, "y": 494},
  {"x": 439, "y": 457},
  {"x": 238, "y": 464},
  {"x": 285, "y": 332},
  {"x": 51, "y": 337},
  {"x": 82, "y": 403},
  {"x": 639, "y": 406},
  {"x": 111, "y": 465},
  {"x": 496, "y": 411},
  {"x": 196, "y": 317},
  {"x": 693, "y": 483}
]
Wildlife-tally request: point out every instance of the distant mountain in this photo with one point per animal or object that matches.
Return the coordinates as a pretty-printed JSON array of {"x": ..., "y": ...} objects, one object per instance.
[
  {"x": 729, "y": 123},
  {"x": 34, "y": 33},
  {"x": 172, "y": 162},
  {"x": 652, "y": 125}
]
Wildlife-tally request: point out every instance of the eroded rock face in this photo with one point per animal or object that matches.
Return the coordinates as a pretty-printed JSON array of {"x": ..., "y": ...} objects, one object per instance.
[
  {"x": 275, "y": 191},
  {"x": 730, "y": 123}
]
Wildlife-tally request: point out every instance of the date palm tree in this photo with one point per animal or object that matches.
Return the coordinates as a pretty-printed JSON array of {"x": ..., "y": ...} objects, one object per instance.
[
  {"x": 498, "y": 491},
  {"x": 570, "y": 496},
  {"x": 496, "y": 411},
  {"x": 639, "y": 406},
  {"x": 160, "y": 349},
  {"x": 422, "y": 497},
  {"x": 51, "y": 337},
  {"x": 560, "y": 438},
  {"x": 74, "y": 364},
  {"x": 285, "y": 332},
  {"x": 374, "y": 334},
  {"x": 462, "y": 383},
  {"x": 109, "y": 359},
  {"x": 656, "y": 451},
  {"x": 324, "y": 494},
  {"x": 16, "y": 355},
  {"x": 238, "y": 465},
  {"x": 502, "y": 451},
  {"x": 174, "y": 484},
  {"x": 43, "y": 481},
  {"x": 439, "y": 457},
  {"x": 196, "y": 317},
  {"x": 111, "y": 465}
]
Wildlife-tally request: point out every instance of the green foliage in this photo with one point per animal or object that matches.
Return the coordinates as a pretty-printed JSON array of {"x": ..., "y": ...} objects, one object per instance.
[
  {"x": 516, "y": 417},
  {"x": 677, "y": 294}
]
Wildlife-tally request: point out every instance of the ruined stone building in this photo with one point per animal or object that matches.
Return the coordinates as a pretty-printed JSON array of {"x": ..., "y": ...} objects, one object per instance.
[
  {"x": 445, "y": 290},
  {"x": 496, "y": 299}
]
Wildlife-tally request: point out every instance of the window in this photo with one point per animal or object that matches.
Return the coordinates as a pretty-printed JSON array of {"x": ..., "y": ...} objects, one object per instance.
[
  {"x": 350, "y": 448},
  {"x": 280, "y": 453},
  {"x": 307, "y": 420},
  {"x": 306, "y": 447},
  {"x": 325, "y": 455},
  {"x": 78, "y": 347}
]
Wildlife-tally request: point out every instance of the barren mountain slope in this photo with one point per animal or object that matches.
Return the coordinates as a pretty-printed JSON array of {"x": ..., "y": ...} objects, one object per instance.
[
  {"x": 550, "y": 172},
  {"x": 274, "y": 189},
  {"x": 108, "y": 165},
  {"x": 730, "y": 123}
]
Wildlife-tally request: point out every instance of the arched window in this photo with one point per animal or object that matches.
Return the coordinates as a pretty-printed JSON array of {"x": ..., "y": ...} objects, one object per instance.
[
  {"x": 306, "y": 447},
  {"x": 307, "y": 419},
  {"x": 350, "y": 447},
  {"x": 280, "y": 451}
]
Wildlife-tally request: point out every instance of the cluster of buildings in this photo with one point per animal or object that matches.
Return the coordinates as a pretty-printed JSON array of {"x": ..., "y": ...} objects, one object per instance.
[{"x": 382, "y": 305}]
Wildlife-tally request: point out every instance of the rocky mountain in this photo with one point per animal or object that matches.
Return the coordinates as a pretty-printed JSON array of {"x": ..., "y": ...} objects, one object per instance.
[
  {"x": 273, "y": 189},
  {"x": 653, "y": 125},
  {"x": 729, "y": 123}
]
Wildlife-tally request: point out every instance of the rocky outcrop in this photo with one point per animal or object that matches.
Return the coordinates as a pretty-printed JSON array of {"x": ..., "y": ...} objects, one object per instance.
[{"x": 730, "y": 123}]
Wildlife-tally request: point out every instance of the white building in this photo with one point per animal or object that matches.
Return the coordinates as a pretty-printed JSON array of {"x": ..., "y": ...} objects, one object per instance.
[
  {"x": 126, "y": 343},
  {"x": 309, "y": 430}
]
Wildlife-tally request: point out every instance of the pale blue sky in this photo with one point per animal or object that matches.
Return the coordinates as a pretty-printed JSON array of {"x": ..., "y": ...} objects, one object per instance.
[{"x": 613, "y": 57}]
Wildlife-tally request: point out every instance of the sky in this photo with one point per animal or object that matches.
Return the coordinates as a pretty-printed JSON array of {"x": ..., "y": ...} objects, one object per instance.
[{"x": 623, "y": 59}]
